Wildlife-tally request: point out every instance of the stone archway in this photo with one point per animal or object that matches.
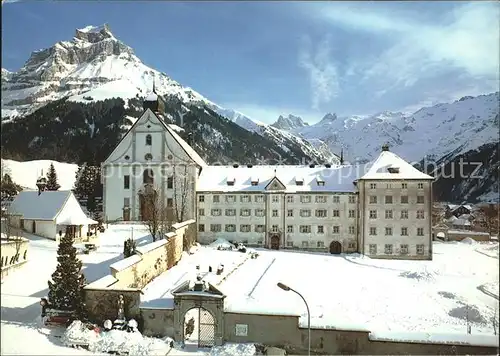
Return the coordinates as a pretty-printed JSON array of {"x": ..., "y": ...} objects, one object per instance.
[
  {"x": 275, "y": 242},
  {"x": 199, "y": 327},
  {"x": 206, "y": 308},
  {"x": 335, "y": 248}
]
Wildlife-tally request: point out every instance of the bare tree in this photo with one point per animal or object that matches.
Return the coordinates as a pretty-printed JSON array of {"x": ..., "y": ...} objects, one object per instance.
[
  {"x": 488, "y": 218},
  {"x": 155, "y": 212},
  {"x": 182, "y": 184},
  {"x": 181, "y": 192}
]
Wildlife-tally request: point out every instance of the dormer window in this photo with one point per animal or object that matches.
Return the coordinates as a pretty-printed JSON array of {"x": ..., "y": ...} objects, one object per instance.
[
  {"x": 149, "y": 140},
  {"x": 393, "y": 169},
  {"x": 299, "y": 181},
  {"x": 320, "y": 181},
  {"x": 230, "y": 180},
  {"x": 254, "y": 181}
]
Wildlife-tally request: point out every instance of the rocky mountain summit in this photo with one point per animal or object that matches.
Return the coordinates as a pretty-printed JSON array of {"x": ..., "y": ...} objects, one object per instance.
[{"x": 96, "y": 67}]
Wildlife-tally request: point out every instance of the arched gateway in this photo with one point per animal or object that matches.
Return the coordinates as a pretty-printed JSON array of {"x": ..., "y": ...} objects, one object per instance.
[
  {"x": 198, "y": 314},
  {"x": 335, "y": 248}
]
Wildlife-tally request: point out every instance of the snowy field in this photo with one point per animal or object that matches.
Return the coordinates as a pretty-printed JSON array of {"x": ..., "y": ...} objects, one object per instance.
[
  {"x": 347, "y": 291},
  {"x": 22, "y": 332},
  {"x": 352, "y": 291},
  {"x": 21, "y": 290},
  {"x": 26, "y": 173}
]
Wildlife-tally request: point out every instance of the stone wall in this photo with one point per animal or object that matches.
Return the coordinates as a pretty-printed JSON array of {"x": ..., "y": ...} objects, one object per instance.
[
  {"x": 158, "y": 322},
  {"x": 151, "y": 260},
  {"x": 131, "y": 274},
  {"x": 102, "y": 303},
  {"x": 14, "y": 252},
  {"x": 283, "y": 331}
]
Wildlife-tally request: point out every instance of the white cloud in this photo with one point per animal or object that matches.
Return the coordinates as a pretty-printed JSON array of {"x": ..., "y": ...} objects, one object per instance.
[
  {"x": 321, "y": 70},
  {"x": 465, "y": 39}
]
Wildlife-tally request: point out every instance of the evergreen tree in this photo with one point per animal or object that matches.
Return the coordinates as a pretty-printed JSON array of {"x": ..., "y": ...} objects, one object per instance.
[
  {"x": 9, "y": 189},
  {"x": 52, "y": 179},
  {"x": 66, "y": 286}
]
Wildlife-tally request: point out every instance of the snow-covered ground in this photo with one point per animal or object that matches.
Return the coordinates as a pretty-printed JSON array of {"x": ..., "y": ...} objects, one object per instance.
[
  {"x": 352, "y": 291},
  {"x": 348, "y": 291},
  {"x": 22, "y": 332},
  {"x": 26, "y": 173},
  {"x": 21, "y": 290}
]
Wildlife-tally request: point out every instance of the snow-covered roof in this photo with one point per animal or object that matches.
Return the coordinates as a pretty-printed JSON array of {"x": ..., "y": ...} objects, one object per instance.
[
  {"x": 388, "y": 161},
  {"x": 72, "y": 213},
  {"x": 151, "y": 97},
  {"x": 461, "y": 222},
  {"x": 76, "y": 219},
  {"x": 45, "y": 206},
  {"x": 336, "y": 178},
  {"x": 185, "y": 146}
]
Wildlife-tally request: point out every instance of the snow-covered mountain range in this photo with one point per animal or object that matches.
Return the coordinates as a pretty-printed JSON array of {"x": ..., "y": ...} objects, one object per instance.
[
  {"x": 435, "y": 132},
  {"x": 95, "y": 66}
]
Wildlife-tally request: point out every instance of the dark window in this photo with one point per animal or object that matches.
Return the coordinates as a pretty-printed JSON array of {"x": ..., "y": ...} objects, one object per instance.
[
  {"x": 147, "y": 177},
  {"x": 126, "y": 182},
  {"x": 170, "y": 202},
  {"x": 170, "y": 182},
  {"x": 149, "y": 140}
]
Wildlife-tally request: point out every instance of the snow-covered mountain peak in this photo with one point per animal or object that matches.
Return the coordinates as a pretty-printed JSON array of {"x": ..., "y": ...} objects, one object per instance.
[
  {"x": 289, "y": 123},
  {"x": 94, "y": 65},
  {"x": 94, "y": 34},
  {"x": 328, "y": 118}
]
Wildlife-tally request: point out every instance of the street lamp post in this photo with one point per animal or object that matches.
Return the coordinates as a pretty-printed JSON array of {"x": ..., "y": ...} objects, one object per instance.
[{"x": 288, "y": 289}]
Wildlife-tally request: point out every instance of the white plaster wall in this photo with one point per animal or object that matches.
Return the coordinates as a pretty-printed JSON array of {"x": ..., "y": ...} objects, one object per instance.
[
  {"x": 43, "y": 228},
  {"x": 412, "y": 223},
  {"x": 166, "y": 152},
  {"x": 282, "y": 220}
]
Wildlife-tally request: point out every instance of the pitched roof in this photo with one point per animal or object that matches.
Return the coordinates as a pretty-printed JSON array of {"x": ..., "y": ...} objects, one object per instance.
[
  {"x": 45, "y": 206},
  {"x": 379, "y": 169},
  {"x": 185, "y": 146},
  {"x": 336, "y": 178}
]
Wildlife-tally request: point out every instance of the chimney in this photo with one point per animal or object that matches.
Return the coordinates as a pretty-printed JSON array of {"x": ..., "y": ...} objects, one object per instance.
[
  {"x": 385, "y": 147},
  {"x": 341, "y": 156}
]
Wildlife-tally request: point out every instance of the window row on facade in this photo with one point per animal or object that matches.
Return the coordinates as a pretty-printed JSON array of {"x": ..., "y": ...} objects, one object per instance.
[
  {"x": 403, "y": 185},
  {"x": 389, "y": 199},
  {"x": 389, "y": 231},
  {"x": 261, "y": 228},
  {"x": 305, "y": 213},
  {"x": 390, "y": 249},
  {"x": 389, "y": 214},
  {"x": 260, "y": 198},
  {"x": 147, "y": 178}
]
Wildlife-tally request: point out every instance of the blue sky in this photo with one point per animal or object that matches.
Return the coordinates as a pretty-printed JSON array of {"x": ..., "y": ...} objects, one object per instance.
[{"x": 271, "y": 58}]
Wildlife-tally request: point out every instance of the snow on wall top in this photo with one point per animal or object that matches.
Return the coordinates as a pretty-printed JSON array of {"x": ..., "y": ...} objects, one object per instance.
[
  {"x": 379, "y": 169},
  {"x": 45, "y": 206}
]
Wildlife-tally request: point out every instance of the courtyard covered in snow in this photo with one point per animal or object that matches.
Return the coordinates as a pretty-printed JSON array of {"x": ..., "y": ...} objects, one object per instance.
[
  {"x": 343, "y": 291},
  {"x": 352, "y": 291}
]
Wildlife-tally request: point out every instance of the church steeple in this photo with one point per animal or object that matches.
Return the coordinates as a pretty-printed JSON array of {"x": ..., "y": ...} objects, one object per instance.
[
  {"x": 41, "y": 183},
  {"x": 153, "y": 101}
]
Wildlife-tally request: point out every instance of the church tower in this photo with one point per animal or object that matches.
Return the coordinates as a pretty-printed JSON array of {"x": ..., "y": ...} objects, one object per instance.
[{"x": 154, "y": 102}]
